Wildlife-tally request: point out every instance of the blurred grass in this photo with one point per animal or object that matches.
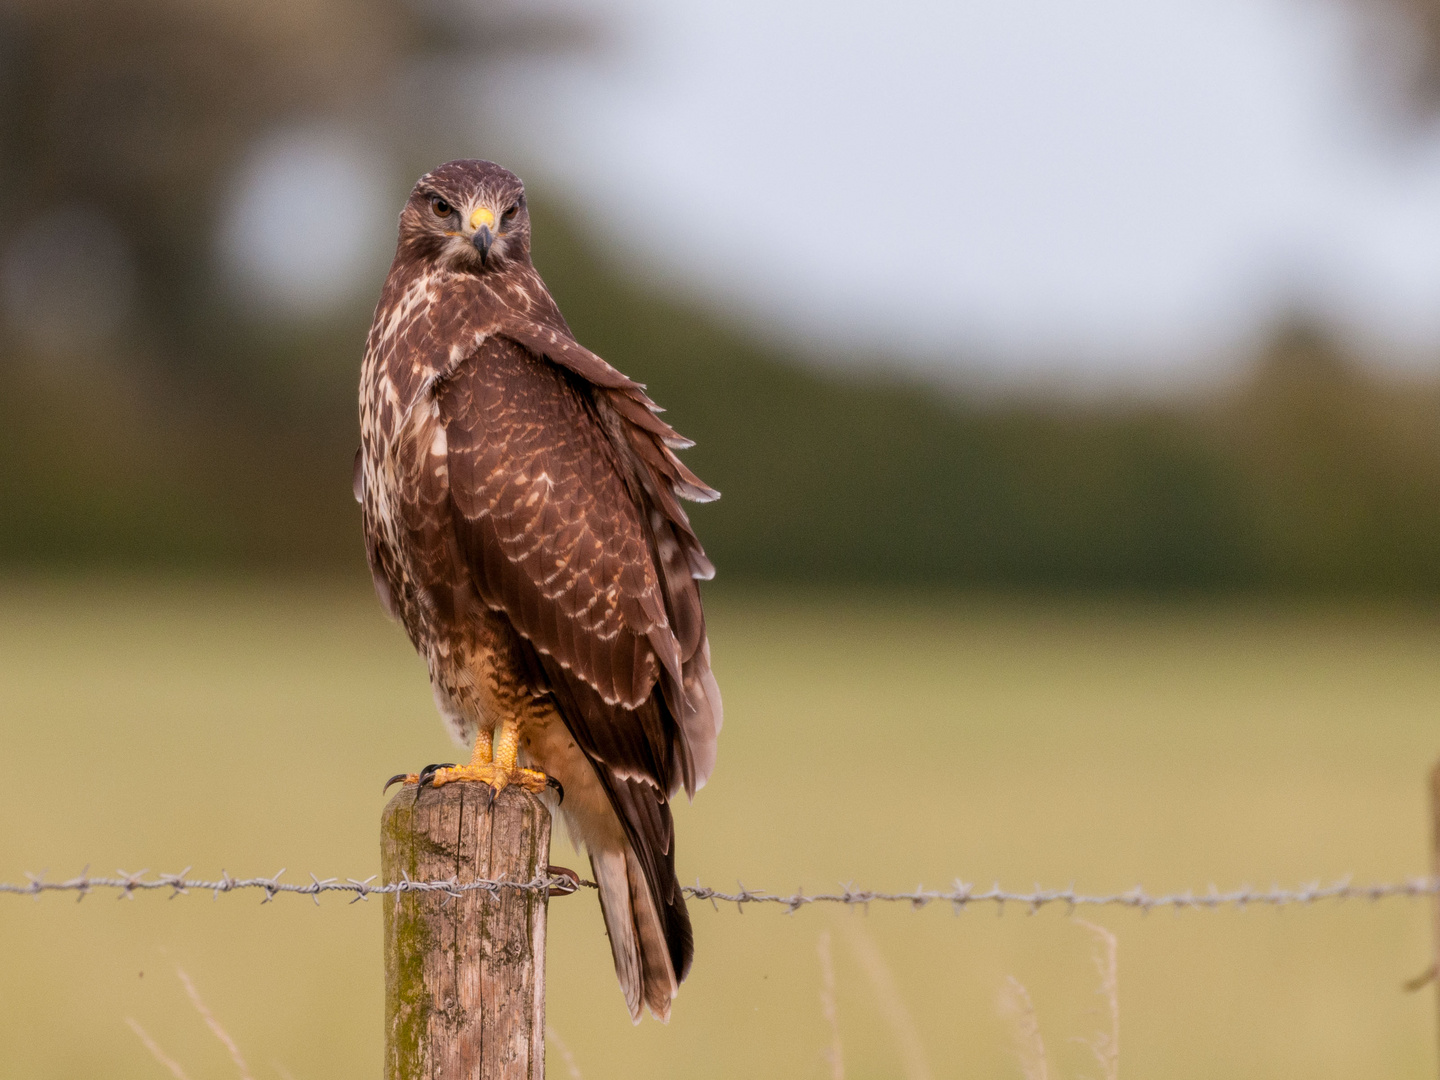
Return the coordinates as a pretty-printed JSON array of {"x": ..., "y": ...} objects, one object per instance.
[{"x": 870, "y": 737}]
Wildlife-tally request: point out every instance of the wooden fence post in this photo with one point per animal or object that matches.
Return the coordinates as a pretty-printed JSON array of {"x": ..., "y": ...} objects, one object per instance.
[{"x": 465, "y": 975}]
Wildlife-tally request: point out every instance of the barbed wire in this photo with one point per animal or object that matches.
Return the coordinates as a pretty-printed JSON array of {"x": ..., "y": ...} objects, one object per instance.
[
  {"x": 963, "y": 895},
  {"x": 128, "y": 884},
  {"x": 959, "y": 897}
]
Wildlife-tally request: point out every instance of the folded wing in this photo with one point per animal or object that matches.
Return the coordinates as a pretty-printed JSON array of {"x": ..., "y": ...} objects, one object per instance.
[{"x": 564, "y": 496}]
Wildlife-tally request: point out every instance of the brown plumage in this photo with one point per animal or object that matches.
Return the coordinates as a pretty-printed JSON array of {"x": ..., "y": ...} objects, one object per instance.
[{"x": 522, "y": 520}]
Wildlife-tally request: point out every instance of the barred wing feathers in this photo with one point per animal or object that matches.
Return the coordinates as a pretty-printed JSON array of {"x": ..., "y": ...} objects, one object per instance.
[
  {"x": 662, "y": 480},
  {"x": 560, "y": 533},
  {"x": 550, "y": 530}
]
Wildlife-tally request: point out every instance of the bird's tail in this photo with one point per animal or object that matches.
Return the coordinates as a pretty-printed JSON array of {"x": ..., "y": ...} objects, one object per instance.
[{"x": 637, "y": 932}]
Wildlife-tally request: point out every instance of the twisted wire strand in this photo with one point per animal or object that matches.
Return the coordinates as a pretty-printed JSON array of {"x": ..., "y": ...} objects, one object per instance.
[
  {"x": 960, "y": 896},
  {"x": 126, "y": 885}
]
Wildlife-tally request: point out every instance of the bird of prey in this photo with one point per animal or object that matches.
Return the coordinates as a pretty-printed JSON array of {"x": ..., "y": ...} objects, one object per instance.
[{"x": 521, "y": 505}]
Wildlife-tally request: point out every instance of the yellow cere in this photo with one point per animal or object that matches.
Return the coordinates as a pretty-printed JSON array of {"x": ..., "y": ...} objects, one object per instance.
[{"x": 481, "y": 217}]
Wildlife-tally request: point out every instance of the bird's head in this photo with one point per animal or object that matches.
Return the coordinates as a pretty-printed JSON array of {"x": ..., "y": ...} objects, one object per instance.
[{"x": 468, "y": 215}]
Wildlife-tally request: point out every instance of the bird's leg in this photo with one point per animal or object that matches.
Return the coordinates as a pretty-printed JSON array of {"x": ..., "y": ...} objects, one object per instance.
[
  {"x": 494, "y": 762},
  {"x": 431, "y": 773},
  {"x": 483, "y": 751}
]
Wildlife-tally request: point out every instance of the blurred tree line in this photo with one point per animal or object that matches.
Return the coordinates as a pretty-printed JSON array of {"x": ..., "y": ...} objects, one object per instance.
[{"x": 192, "y": 433}]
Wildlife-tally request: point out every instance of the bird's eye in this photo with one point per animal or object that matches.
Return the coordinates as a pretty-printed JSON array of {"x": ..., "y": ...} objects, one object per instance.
[
  {"x": 510, "y": 213},
  {"x": 440, "y": 206}
]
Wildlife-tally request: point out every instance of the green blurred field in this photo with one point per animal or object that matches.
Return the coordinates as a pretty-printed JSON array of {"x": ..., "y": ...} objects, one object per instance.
[{"x": 885, "y": 742}]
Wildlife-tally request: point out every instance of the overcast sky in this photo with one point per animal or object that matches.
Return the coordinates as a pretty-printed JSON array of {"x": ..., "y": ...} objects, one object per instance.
[{"x": 1110, "y": 188}]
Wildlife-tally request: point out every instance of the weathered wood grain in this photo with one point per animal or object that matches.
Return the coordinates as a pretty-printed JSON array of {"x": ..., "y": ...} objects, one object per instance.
[{"x": 465, "y": 975}]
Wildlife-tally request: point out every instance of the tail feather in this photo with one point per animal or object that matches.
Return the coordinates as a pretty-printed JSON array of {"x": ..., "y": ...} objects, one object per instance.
[
  {"x": 612, "y": 877},
  {"x": 660, "y": 982},
  {"x": 637, "y": 933}
]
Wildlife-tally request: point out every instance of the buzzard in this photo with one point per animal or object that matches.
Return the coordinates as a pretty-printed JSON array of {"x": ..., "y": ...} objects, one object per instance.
[{"x": 521, "y": 504}]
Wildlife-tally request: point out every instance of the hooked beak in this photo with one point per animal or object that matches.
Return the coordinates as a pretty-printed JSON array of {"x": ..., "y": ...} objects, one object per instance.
[
  {"x": 482, "y": 220},
  {"x": 483, "y": 239}
]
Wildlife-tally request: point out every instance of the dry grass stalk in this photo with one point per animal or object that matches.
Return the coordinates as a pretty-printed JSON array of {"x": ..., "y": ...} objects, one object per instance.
[
  {"x": 902, "y": 1024},
  {"x": 1015, "y": 1005},
  {"x": 1106, "y": 1044},
  {"x": 565, "y": 1055},
  {"x": 155, "y": 1051},
  {"x": 214, "y": 1025},
  {"x": 828, "y": 1007}
]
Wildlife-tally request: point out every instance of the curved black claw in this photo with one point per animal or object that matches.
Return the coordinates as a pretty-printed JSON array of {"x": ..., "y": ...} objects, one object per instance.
[
  {"x": 393, "y": 780},
  {"x": 550, "y": 781},
  {"x": 427, "y": 774}
]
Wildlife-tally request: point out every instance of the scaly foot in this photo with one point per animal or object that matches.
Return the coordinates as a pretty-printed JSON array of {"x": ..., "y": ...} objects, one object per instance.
[{"x": 497, "y": 777}]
